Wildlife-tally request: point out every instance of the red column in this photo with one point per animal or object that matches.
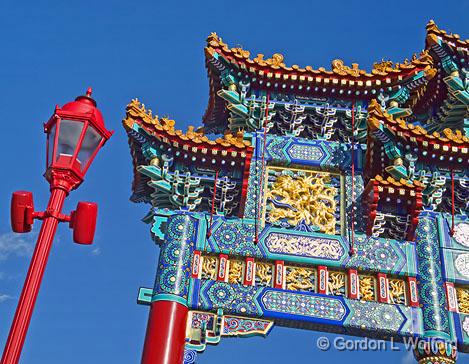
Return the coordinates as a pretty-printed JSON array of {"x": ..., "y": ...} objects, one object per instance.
[
  {"x": 166, "y": 333},
  {"x": 24, "y": 311}
]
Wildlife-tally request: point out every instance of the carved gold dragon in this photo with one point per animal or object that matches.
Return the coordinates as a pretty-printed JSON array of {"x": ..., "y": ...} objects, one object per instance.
[
  {"x": 367, "y": 285},
  {"x": 463, "y": 299},
  {"x": 311, "y": 199},
  {"x": 236, "y": 272},
  {"x": 300, "y": 279},
  {"x": 209, "y": 267},
  {"x": 336, "y": 283}
]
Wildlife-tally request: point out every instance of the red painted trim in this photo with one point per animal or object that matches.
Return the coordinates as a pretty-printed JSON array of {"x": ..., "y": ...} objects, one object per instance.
[
  {"x": 383, "y": 288},
  {"x": 249, "y": 272},
  {"x": 353, "y": 284},
  {"x": 451, "y": 298},
  {"x": 244, "y": 65},
  {"x": 245, "y": 186},
  {"x": 322, "y": 279},
  {"x": 412, "y": 292},
  {"x": 371, "y": 198},
  {"x": 279, "y": 278},
  {"x": 222, "y": 274},
  {"x": 166, "y": 333},
  {"x": 196, "y": 264}
]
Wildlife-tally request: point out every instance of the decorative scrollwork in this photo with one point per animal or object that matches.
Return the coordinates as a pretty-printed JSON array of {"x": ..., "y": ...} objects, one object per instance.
[{"x": 300, "y": 279}]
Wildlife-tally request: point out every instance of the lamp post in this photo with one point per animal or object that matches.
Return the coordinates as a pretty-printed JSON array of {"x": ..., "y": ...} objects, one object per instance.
[{"x": 75, "y": 133}]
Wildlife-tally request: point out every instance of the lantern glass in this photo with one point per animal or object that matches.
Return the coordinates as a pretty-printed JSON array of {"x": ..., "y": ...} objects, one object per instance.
[
  {"x": 50, "y": 145},
  {"x": 69, "y": 133},
  {"x": 90, "y": 144}
]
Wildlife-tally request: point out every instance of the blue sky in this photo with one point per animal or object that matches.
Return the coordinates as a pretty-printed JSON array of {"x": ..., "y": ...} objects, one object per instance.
[{"x": 53, "y": 50}]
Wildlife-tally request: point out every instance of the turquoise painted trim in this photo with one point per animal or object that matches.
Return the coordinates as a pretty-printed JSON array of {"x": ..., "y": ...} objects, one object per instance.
[
  {"x": 202, "y": 231},
  {"x": 144, "y": 296},
  {"x": 452, "y": 274},
  {"x": 437, "y": 334},
  {"x": 376, "y": 255},
  {"x": 169, "y": 297},
  {"x": 452, "y": 331},
  {"x": 464, "y": 335},
  {"x": 190, "y": 292}
]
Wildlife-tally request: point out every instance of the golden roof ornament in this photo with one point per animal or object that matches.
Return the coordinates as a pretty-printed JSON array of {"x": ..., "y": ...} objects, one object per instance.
[
  {"x": 240, "y": 52},
  {"x": 275, "y": 61},
  {"x": 340, "y": 68},
  {"x": 383, "y": 67}
]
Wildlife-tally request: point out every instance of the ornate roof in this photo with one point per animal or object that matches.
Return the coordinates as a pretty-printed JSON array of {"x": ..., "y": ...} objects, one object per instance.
[
  {"x": 341, "y": 80},
  {"x": 165, "y": 128},
  {"x": 415, "y": 133},
  {"x": 453, "y": 40},
  {"x": 446, "y": 92},
  {"x": 384, "y": 72}
]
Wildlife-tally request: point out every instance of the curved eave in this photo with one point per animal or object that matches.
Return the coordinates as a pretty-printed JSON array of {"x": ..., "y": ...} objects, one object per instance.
[
  {"x": 140, "y": 188},
  {"x": 403, "y": 184},
  {"x": 448, "y": 143},
  {"x": 437, "y": 36},
  {"x": 274, "y": 76},
  {"x": 382, "y": 75},
  {"x": 442, "y": 46}
]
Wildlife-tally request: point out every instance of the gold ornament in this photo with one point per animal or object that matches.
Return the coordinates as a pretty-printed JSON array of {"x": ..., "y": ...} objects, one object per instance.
[
  {"x": 236, "y": 272},
  {"x": 209, "y": 267},
  {"x": 367, "y": 287},
  {"x": 311, "y": 198},
  {"x": 336, "y": 283},
  {"x": 300, "y": 279}
]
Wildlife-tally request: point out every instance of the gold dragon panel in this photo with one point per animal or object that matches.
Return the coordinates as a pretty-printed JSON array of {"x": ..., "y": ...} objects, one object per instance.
[
  {"x": 397, "y": 291},
  {"x": 367, "y": 287},
  {"x": 304, "y": 198},
  {"x": 336, "y": 283},
  {"x": 209, "y": 267},
  {"x": 462, "y": 293},
  {"x": 235, "y": 273},
  {"x": 264, "y": 274},
  {"x": 300, "y": 279}
]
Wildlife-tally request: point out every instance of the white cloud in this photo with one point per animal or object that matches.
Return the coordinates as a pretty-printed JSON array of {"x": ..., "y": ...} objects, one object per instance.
[
  {"x": 408, "y": 358},
  {"x": 20, "y": 245},
  {"x": 96, "y": 251},
  {"x": 5, "y": 297}
]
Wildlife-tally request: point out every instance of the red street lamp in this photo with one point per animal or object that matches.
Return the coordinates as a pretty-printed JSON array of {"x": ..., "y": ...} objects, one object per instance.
[{"x": 75, "y": 133}]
